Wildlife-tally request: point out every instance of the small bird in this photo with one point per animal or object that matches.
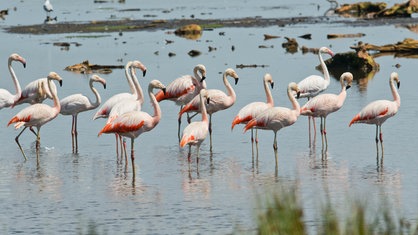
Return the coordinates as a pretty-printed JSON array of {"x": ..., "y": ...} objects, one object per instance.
[
  {"x": 218, "y": 100},
  {"x": 48, "y": 8},
  {"x": 378, "y": 111},
  {"x": 183, "y": 89},
  {"x": 251, "y": 110},
  {"x": 134, "y": 123},
  {"x": 77, "y": 103},
  {"x": 324, "y": 104},
  {"x": 195, "y": 133},
  {"x": 276, "y": 118},
  {"x": 6, "y": 98},
  {"x": 37, "y": 115},
  {"x": 315, "y": 84}
]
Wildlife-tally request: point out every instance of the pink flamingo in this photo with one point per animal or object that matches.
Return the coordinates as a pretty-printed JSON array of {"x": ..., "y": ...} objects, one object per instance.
[
  {"x": 313, "y": 85},
  {"x": 134, "y": 123},
  {"x": 107, "y": 107},
  {"x": 218, "y": 100},
  {"x": 276, "y": 118},
  {"x": 196, "y": 132},
  {"x": 6, "y": 98},
  {"x": 183, "y": 89},
  {"x": 38, "y": 114},
  {"x": 251, "y": 110},
  {"x": 36, "y": 92},
  {"x": 378, "y": 111},
  {"x": 77, "y": 103},
  {"x": 324, "y": 104}
]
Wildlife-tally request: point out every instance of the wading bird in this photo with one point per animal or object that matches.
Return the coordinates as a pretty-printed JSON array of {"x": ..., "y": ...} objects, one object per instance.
[{"x": 7, "y": 99}]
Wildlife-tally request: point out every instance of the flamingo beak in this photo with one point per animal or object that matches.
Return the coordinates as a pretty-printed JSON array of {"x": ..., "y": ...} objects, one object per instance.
[
  {"x": 347, "y": 87},
  {"x": 163, "y": 90},
  {"x": 144, "y": 72},
  {"x": 298, "y": 95},
  {"x": 24, "y": 64},
  {"x": 236, "y": 81},
  {"x": 398, "y": 84},
  {"x": 60, "y": 82},
  {"x": 272, "y": 85},
  {"x": 203, "y": 78},
  {"x": 104, "y": 85},
  {"x": 208, "y": 100}
]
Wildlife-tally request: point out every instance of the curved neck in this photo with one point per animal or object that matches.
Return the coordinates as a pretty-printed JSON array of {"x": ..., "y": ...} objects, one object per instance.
[
  {"x": 228, "y": 86},
  {"x": 198, "y": 78},
  {"x": 15, "y": 81},
  {"x": 154, "y": 102},
  {"x": 268, "y": 94},
  {"x": 295, "y": 103},
  {"x": 57, "y": 104},
  {"x": 395, "y": 93},
  {"x": 324, "y": 67},
  {"x": 129, "y": 78},
  {"x": 96, "y": 93},
  {"x": 139, "y": 93},
  {"x": 203, "y": 109}
]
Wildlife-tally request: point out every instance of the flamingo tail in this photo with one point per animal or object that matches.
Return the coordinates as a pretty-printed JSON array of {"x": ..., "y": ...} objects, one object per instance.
[{"x": 185, "y": 140}]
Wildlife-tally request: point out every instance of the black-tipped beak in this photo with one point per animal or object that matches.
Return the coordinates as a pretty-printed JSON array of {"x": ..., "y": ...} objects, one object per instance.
[
  {"x": 347, "y": 87},
  {"x": 163, "y": 90},
  {"x": 398, "y": 84},
  {"x": 144, "y": 72},
  {"x": 298, "y": 95},
  {"x": 208, "y": 100},
  {"x": 104, "y": 86},
  {"x": 203, "y": 78},
  {"x": 272, "y": 85},
  {"x": 60, "y": 82},
  {"x": 236, "y": 81},
  {"x": 24, "y": 65}
]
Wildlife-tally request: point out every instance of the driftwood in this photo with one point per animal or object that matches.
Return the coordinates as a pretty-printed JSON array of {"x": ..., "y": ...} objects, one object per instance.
[
  {"x": 378, "y": 9},
  {"x": 291, "y": 45},
  {"x": 241, "y": 66},
  {"x": 347, "y": 35},
  {"x": 406, "y": 48},
  {"x": 86, "y": 67},
  {"x": 269, "y": 36}
]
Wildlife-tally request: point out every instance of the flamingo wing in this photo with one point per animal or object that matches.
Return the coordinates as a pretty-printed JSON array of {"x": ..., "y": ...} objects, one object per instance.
[
  {"x": 6, "y": 98},
  {"x": 34, "y": 115},
  {"x": 249, "y": 112},
  {"x": 74, "y": 104},
  {"x": 128, "y": 122},
  {"x": 376, "y": 112},
  {"x": 321, "y": 105},
  {"x": 107, "y": 106},
  {"x": 181, "y": 90},
  {"x": 194, "y": 133},
  {"x": 311, "y": 86}
]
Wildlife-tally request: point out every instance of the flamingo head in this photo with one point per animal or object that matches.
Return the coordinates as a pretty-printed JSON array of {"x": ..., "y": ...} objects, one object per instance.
[
  {"x": 326, "y": 50},
  {"x": 137, "y": 64},
  {"x": 17, "y": 57},
  {"x": 294, "y": 87},
  {"x": 55, "y": 76},
  {"x": 97, "y": 78},
  {"x": 202, "y": 69},
  {"x": 395, "y": 77},
  {"x": 269, "y": 79},
  {"x": 348, "y": 78},
  {"x": 230, "y": 72},
  {"x": 157, "y": 84}
]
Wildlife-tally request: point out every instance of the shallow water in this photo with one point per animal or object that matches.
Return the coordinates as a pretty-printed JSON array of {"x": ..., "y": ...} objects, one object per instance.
[{"x": 65, "y": 192}]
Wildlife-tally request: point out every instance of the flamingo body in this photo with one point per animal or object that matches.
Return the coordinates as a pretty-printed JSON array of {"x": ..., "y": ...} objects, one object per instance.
[
  {"x": 7, "y": 99},
  {"x": 36, "y": 92}
]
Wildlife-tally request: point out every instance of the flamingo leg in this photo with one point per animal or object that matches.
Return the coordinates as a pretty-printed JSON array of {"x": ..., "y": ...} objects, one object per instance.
[
  {"x": 117, "y": 145},
  {"x": 275, "y": 142},
  {"x": 189, "y": 118},
  {"x": 377, "y": 139},
  {"x": 210, "y": 131},
  {"x": 38, "y": 140},
  {"x": 252, "y": 136},
  {"x": 381, "y": 139},
  {"x": 322, "y": 132},
  {"x": 124, "y": 152},
  {"x": 75, "y": 134},
  {"x": 179, "y": 124},
  {"x": 256, "y": 136},
  {"x": 31, "y": 129},
  {"x": 198, "y": 151},
  {"x": 20, "y": 147},
  {"x": 189, "y": 154},
  {"x": 309, "y": 128},
  {"x": 325, "y": 134},
  {"x": 133, "y": 156}
]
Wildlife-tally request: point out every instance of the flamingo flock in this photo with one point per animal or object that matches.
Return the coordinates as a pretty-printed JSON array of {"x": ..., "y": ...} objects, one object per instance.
[{"x": 126, "y": 119}]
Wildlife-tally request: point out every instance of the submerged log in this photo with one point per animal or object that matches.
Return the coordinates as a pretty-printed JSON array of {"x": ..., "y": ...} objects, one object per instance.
[
  {"x": 190, "y": 31},
  {"x": 406, "y": 48},
  {"x": 87, "y": 68},
  {"x": 370, "y": 9}
]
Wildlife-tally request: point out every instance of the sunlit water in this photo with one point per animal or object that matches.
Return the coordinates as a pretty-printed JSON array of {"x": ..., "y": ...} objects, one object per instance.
[{"x": 65, "y": 192}]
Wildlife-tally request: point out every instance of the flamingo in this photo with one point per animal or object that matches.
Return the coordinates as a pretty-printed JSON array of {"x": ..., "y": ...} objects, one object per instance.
[
  {"x": 378, "y": 111},
  {"x": 38, "y": 114},
  {"x": 183, "y": 89},
  {"x": 218, "y": 100},
  {"x": 196, "y": 132},
  {"x": 6, "y": 98},
  {"x": 324, "y": 104},
  {"x": 276, "y": 118},
  {"x": 106, "y": 108},
  {"x": 36, "y": 92},
  {"x": 314, "y": 84},
  {"x": 77, "y": 103},
  {"x": 251, "y": 110},
  {"x": 134, "y": 123}
]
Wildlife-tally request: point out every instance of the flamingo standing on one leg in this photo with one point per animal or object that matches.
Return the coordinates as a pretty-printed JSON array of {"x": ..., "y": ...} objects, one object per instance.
[
  {"x": 38, "y": 114},
  {"x": 314, "y": 84},
  {"x": 134, "y": 123},
  {"x": 183, "y": 89},
  {"x": 77, "y": 103},
  {"x": 218, "y": 100},
  {"x": 6, "y": 98},
  {"x": 251, "y": 110},
  {"x": 196, "y": 132},
  {"x": 378, "y": 111},
  {"x": 276, "y": 118},
  {"x": 324, "y": 104}
]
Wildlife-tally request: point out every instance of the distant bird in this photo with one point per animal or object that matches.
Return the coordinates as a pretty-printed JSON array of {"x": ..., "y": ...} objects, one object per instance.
[
  {"x": 133, "y": 124},
  {"x": 36, "y": 92},
  {"x": 276, "y": 118},
  {"x": 195, "y": 133},
  {"x": 77, "y": 103},
  {"x": 48, "y": 8},
  {"x": 251, "y": 110},
  {"x": 183, "y": 89},
  {"x": 6, "y": 98},
  {"x": 314, "y": 84},
  {"x": 324, "y": 104},
  {"x": 378, "y": 111},
  {"x": 218, "y": 100},
  {"x": 37, "y": 115},
  {"x": 107, "y": 107}
]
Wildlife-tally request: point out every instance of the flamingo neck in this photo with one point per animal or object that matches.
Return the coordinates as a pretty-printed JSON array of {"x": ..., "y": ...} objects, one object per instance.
[
  {"x": 293, "y": 100},
  {"x": 96, "y": 94},
  {"x": 57, "y": 104},
  {"x": 198, "y": 79},
  {"x": 203, "y": 109},
  {"x": 395, "y": 93},
  {"x": 324, "y": 67},
  {"x": 138, "y": 89},
  {"x": 268, "y": 94},
  {"x": 154, "y": 102},
  {"x": 129, "y": 78},
  {"x": 15, "y": 81},
  {"x": 230, "y": 90}
]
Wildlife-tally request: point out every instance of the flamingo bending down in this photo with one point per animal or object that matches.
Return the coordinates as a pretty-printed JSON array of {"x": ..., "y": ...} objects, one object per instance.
[
  {"x": 313, "y": 85},
  {"x": 77, "y": 103},
  {"x": 6, "y": 98},
  {"x": 324, "y": 104},
  {"x": 196, "y": 132},
  {"x": 183, "y": 89},
  {"x": 378, "y": 111},
  {"x": 276, "y": 118},
  {"x": 107, "y": 107},
  {"x": 218, "y": 100},
  {"x": 134, "y": 123},
  {"x": 38, "y": 114},
  {"x": 251, "y": 110}
]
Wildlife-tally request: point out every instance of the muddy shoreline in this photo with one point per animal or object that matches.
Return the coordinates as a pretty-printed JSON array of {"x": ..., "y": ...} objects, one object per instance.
[{"x": 207, "y": 24}]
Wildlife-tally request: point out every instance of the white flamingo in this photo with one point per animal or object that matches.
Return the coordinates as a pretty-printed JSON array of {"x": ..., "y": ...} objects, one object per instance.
[
  {"x": 6, "y": 98},
  {"x": 77, "y": 103}
]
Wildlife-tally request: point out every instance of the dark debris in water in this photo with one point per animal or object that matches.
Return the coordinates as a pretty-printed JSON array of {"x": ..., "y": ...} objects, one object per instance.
[{"x": 87, "y": 68}]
